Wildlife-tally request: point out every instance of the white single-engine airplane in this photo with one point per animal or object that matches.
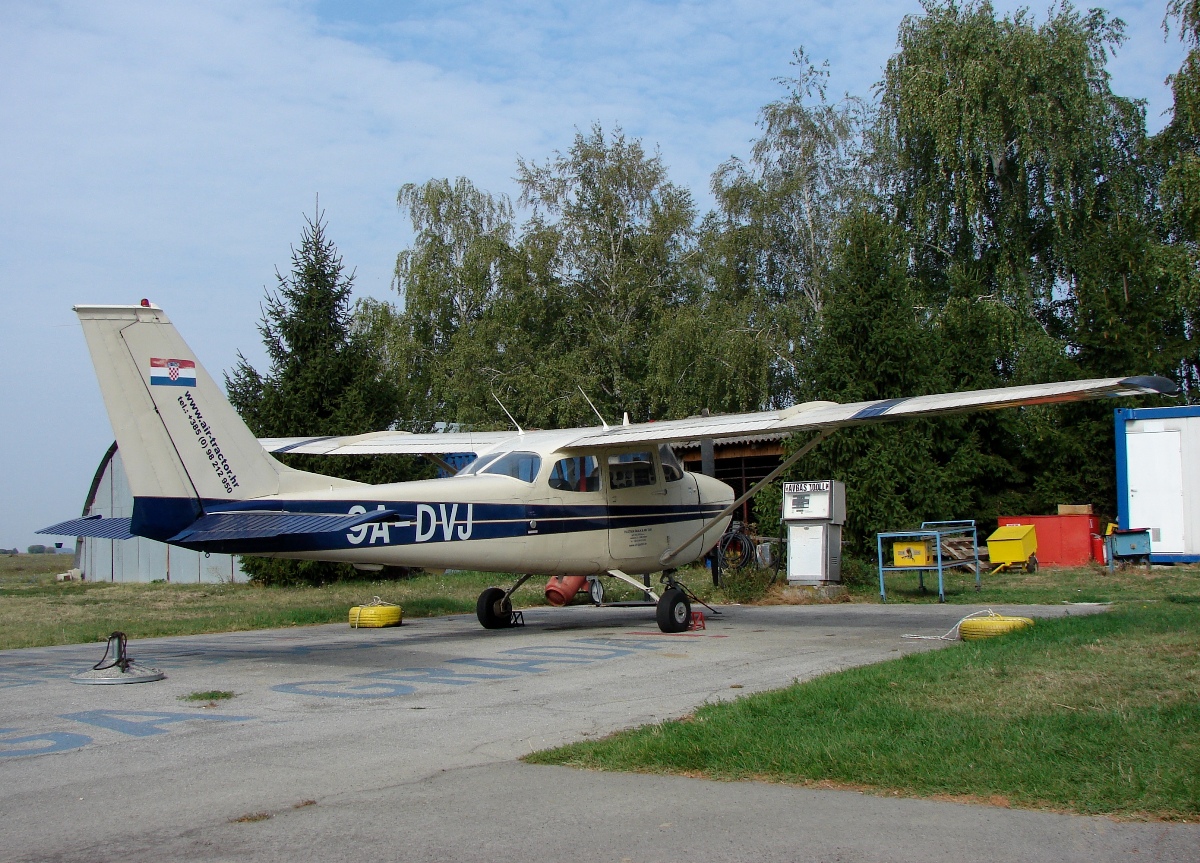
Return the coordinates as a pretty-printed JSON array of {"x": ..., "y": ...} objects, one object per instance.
[{"x": 569, "y": 504}]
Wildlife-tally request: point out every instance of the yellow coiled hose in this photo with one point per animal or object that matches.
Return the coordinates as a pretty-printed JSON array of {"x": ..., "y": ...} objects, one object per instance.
[
  {"x": 376, "y": 613},
  {"x": 975, "y": 628}
]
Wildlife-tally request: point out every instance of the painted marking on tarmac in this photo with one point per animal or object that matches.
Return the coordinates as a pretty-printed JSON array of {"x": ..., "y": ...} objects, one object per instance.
[
  {"x": 143, "y": 723},
  {"x": 131, "y": 723},
  {"x": 50, "y": 741},
  {"x": 532, "y": 659}
]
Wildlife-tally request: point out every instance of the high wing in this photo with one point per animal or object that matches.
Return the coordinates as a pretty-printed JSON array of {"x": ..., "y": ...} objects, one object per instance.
[
  {"x": 819, "y": 416},
  {"x": 378, "y": 443},
  {"x": 816, "y": 416}
]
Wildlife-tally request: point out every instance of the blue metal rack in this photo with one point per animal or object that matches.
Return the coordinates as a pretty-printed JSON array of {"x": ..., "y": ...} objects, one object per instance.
[{"x": 937, "y": 531}]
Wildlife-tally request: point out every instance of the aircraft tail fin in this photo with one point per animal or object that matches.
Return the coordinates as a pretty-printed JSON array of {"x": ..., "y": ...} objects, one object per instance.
[{"x": 183, "y": 445}]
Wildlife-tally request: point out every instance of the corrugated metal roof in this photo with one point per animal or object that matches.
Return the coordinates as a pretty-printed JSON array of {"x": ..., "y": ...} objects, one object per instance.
[{"x": 724, "y": 442}]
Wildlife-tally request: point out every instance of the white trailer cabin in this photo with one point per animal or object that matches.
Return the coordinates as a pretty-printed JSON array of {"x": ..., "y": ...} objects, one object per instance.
[{"x": 1158, "y": 478}]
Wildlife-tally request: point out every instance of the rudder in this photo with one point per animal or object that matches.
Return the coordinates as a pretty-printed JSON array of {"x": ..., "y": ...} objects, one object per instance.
[{"x": 179, "y": 436}]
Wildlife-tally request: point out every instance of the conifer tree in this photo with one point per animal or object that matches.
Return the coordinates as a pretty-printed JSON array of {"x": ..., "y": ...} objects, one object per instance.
[{"x": 324, "y": 379}]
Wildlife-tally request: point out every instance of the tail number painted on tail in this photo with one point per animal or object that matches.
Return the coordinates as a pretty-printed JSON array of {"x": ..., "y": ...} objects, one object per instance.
[
  {"x": 429, "y": 520},
  {"x": 208, "y": 442}
]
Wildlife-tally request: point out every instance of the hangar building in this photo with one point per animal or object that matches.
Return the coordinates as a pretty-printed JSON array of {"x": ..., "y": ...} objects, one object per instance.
[{"x": 140, "y": 559}]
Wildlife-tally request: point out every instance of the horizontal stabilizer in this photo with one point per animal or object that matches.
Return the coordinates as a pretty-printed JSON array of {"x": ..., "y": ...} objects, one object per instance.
[
  {"x": 221, "y": 526},
  {"x": 94, "y": 526}
]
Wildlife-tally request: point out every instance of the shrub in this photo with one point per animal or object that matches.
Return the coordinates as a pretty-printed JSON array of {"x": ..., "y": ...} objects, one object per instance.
[{"x": 747, "y": 584}]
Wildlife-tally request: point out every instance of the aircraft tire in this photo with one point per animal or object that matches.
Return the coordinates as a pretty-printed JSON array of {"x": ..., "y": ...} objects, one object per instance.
[
  {"x": 674, "y": 612},
  {"x": 492, "y": 610}
]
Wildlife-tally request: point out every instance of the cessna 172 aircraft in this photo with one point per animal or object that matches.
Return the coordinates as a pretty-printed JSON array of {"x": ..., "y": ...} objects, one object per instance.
[{"x": 571, "y": 503}]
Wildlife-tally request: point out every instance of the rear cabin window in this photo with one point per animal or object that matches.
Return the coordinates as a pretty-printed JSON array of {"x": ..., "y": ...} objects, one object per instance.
[
  {"x": 631, "y": 470},
  {"x": 581, "y": 473},
  {"x": 519, "y": 465}
]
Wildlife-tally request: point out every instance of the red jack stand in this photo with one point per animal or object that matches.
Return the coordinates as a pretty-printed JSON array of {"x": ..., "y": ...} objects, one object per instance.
[{"x": 697, "y": 621}]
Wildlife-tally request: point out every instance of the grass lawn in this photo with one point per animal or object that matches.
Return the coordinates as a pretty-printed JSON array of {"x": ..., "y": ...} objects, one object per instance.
[
  {"x": 1090, "y": 714},
  {"x": 35, "y": 610}
]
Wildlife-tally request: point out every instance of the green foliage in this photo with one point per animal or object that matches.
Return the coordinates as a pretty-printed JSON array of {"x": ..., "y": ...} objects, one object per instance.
[
  {"x": 325, "y": 378},
  {"x": 611, "y": 236},
  {"x": 876, "y": 342},
  {"x": 746, "y": 584},
  {"x": 859, "y": 573},
  {"x": 768, "y": 509},
  {"x": 211, "y": 695},
  {"x": 768, "y": 250},
  {"x": 37, "y": 549},
  {"x": 1177, "y": 149},
  {"x": 316, "y": 384},
  {"x": 600, "y": 289},
  {"x": 997, "y": 126}
]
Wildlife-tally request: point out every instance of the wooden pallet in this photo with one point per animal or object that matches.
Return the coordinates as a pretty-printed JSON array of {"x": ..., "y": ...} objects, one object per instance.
[{"x": 960, "y": 548}]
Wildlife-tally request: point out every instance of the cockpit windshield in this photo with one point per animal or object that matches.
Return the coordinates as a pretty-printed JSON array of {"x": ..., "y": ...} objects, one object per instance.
[
  {"x": 672, "y": 469},
  {"x": 479, "y": 464}
]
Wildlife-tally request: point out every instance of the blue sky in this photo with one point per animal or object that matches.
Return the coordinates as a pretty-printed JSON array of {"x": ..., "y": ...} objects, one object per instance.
[{"x": 169, "y": 150}]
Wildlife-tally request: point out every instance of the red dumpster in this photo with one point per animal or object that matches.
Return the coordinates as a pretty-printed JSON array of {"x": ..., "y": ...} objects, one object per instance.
[{"x": 1063, "y": 540}]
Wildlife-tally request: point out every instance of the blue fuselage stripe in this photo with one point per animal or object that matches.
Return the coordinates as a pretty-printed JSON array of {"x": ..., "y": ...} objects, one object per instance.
[
  {"x": 417, "y": 523},
  {"x": 877, "y": 409}
]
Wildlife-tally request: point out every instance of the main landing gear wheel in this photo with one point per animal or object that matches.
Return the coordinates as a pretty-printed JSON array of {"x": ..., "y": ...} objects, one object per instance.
[
  {"x": 674, "y": 612},
  {"x": 596, "y": 591},
  {"x": 493, "y": 610}
]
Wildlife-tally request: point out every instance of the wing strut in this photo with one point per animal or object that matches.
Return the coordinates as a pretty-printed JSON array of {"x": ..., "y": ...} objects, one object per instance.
[
  {"x": 441, "y": 462},
  {"x": 671, "y": 553}
]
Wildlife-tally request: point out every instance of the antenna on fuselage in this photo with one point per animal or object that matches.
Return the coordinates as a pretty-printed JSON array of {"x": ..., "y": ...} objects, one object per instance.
[
  {"x": 520, "y": 430},
  {"x": 593, "y": 407}
]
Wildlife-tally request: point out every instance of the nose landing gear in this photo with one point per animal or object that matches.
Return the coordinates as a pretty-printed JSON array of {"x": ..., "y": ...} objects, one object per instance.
[{"x": 674, "y": 611}]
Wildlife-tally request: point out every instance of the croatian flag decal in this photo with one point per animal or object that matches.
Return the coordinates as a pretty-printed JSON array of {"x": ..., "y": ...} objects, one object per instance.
[{"x": 172, "y": 373}]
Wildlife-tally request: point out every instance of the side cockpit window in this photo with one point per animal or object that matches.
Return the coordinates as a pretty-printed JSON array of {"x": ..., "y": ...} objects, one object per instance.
[
  {"x": 581, "y": 473},
  {"x": 519, "y": 465},
  {"x": 631, "y": 470}
]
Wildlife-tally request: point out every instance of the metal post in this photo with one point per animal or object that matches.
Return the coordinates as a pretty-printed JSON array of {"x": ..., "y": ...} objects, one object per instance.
[
  {"x": 879, "y": 550},
  {"x": 937, "y": 537},
  {"x": 975, "y": 544}
]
